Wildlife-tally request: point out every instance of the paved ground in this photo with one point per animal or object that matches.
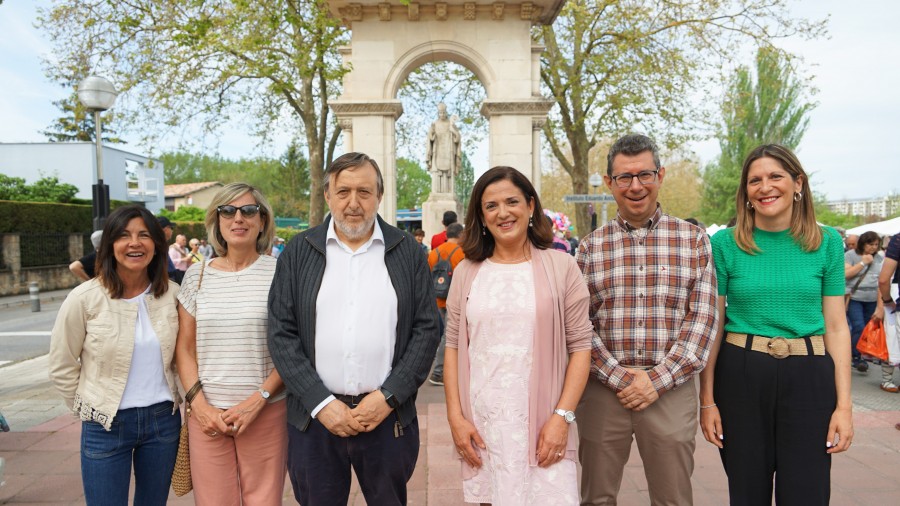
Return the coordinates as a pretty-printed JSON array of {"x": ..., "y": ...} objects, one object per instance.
[{"x": 42, "y": 460}]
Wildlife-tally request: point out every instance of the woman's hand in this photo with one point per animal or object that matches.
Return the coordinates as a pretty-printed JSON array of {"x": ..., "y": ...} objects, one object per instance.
[
  {"x": 464, "y": 434},
  {"x": 552, "y": 441},
  {"x": 878, "y": 315},
  {"x": 209, "y": 419},
  {"x": 840, "y": 431},
  {"x": 711, "y": 424},
  {"x": 239, "y": 417}
]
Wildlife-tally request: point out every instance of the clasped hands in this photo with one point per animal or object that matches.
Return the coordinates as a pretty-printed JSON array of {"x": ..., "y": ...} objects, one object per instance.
[
  {"x": 640, "y": 393},
  {"x": 343, "y": 421},
  {"x": 231, "y": 422}
]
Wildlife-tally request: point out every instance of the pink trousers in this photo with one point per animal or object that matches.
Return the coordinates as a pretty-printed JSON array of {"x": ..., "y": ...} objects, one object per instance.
[{"x": 248, "y": 469}]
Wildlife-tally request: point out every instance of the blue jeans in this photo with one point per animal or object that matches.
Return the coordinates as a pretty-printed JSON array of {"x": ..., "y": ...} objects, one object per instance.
[
  {"x": 858, "y": 315},
  {"x": 148, "y": 437}
]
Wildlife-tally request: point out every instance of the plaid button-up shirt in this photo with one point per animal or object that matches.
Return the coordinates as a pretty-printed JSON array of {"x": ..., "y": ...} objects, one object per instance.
[{"x": 653, "y": 300}]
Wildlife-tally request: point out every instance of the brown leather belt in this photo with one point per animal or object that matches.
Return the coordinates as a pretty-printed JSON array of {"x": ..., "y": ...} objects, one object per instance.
[
  {"x": 351, "y": 400},
  {"x": 779, "y": 347}
]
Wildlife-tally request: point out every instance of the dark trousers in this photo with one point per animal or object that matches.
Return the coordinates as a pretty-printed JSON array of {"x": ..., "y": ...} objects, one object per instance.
[
  {"x": 319, "y": 463},
  {"x": 775, "y": 416}
]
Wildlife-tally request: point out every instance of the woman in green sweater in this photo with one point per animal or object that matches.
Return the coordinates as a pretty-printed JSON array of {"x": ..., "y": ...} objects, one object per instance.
[{"x": 778, "y": 379}]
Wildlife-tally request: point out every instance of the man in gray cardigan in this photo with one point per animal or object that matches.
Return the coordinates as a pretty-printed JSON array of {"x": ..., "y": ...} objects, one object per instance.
[{"x": 353, "y": 328}]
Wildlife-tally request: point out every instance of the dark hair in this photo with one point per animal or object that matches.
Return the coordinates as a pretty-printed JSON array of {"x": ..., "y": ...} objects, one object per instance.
[
  {"x": 804, "y": 229},
  {"x": 349, "y": 161},
  {"x": 419, "y": 233},
  {"x": 454, "y": 231},
  {"x": 478, "y": 246},
  {"x": 869, "y": 237},
  {"x": 449, "y": 218},
  {"x": 157, "y": 271},
  {"x": 631, "y": 145},
  {"x": 692, "y": 221}
]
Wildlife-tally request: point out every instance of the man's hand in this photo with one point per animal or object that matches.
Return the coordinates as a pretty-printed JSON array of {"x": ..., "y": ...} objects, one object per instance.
[
  {"x": 640, "y": 394},
  {"x": 337, "y": 418},
  {"x": 371, "y": 411}
]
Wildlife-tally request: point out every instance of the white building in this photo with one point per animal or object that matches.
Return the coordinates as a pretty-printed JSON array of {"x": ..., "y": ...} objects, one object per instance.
[
  {"x": 130, "y": 176},
  {"x": 880, "y": 206}
]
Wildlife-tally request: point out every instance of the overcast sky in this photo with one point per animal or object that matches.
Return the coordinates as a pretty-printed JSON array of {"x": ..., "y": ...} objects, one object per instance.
[{"x": 851, "y": 145}]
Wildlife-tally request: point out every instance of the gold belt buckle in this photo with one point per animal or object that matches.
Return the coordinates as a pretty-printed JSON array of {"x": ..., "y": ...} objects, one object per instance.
[{"x": 779, "y": 347}]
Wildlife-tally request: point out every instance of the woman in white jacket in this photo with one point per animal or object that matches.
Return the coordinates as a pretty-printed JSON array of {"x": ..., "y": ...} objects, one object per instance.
[{"x": 111, "y": 358}]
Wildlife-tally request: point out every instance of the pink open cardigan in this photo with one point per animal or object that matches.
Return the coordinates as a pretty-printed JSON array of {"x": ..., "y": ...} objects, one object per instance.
[{"x": 562, "y": 327}]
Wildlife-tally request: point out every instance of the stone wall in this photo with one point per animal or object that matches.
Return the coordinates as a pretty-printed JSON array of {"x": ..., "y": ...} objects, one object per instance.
[{"x": 14, "y": 278}]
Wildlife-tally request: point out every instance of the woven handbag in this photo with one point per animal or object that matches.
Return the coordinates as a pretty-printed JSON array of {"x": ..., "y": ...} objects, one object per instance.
[{"x": 181, "y": 475}]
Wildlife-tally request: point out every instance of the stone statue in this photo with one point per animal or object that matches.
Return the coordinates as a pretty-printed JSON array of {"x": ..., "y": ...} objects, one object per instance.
[{"x": 444, "y": 152}]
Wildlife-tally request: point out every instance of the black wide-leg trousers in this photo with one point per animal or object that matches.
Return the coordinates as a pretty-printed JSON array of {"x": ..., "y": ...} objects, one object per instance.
[{"x": 775, "y": 416}]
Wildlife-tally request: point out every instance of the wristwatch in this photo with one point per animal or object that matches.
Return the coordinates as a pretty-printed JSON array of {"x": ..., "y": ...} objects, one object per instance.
[
  {"x": 568, "y": 416},
  {"x": 264, "y": 393},
  {"x": 389, "y": 398}
]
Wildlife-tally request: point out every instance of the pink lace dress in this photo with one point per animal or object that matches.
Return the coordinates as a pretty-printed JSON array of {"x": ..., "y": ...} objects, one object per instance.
[{"x": 501, "y": 319}]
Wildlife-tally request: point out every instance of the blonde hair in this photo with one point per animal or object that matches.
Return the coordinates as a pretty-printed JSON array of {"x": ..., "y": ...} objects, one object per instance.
[
  {"x": 225, "y": 195},
  {"x": 804, "y": 229}
]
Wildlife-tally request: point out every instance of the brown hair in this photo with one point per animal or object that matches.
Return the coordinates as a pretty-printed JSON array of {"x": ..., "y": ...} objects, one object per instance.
[
  {"x": 157, "y": 270},
  {"x": 478, "y": 243},
  {"x": 870, "y": 237},
  {"x": 349, "y": 161},
  {"x": 804, "y": 229}
]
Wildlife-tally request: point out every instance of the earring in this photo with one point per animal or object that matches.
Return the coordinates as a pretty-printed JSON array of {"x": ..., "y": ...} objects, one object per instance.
[
  {"x": 531, "y": 221},
  {"x": 749, "y": 205},
  {"x": 483, "y": 229},
  {"x": 798, "y": 197}
]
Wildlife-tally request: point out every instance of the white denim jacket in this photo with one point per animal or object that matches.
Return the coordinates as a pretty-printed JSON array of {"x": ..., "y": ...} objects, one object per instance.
[{"x": 92, "y": 343}]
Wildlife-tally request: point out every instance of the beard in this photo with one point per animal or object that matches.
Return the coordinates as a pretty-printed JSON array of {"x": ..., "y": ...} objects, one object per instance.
[{"x": 355, "y": 232}]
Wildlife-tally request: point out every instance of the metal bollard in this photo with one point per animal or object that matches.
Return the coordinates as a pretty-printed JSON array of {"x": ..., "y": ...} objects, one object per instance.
[{"x": 35, "y": 294}]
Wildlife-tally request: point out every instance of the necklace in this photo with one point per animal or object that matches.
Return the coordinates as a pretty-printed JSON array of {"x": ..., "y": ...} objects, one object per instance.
[
  {"x": 237, "y": 276},
  {"x": 514, "y": 261}
]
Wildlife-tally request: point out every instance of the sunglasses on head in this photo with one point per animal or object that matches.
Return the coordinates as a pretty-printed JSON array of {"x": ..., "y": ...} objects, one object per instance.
[{"x": 247, "y": 211}]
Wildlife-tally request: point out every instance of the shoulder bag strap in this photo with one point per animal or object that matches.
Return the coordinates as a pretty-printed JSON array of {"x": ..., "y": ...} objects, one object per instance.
[{"x": 863, "y": 275}]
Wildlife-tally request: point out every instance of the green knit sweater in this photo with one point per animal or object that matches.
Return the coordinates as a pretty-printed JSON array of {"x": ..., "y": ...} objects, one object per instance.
[{"x": 778, "y": 291}]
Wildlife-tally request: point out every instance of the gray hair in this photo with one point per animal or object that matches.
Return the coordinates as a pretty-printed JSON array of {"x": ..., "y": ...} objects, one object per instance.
[
  {"x": 349, "y": 161},
  {"x": 225, "y": 195},
  {"x": 454, "y": 230},
  {"x": 631, "y": 145}
]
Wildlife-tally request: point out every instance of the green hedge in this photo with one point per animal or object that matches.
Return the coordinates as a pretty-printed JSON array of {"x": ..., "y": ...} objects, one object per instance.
[
  {"x": 44, "y": 217},
  {"x": 190, "y": 229}
]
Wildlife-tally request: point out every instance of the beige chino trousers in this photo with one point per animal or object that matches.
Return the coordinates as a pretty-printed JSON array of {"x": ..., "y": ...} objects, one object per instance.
[{"x": 665, "y": 434}]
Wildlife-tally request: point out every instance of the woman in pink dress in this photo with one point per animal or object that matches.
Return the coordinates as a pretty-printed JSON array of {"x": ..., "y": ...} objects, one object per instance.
[{"x": 518, "y": 350}]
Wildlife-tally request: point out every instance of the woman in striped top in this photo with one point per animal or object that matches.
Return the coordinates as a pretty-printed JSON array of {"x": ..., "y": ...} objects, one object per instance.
[{"x": 238, "y": 427}]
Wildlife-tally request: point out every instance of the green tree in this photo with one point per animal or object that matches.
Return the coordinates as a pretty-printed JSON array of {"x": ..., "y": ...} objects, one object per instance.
[
  {"x": 413, "y": 184},
  {"x": 185, "y": 213},
  {"x": 185, "y": 61},
  {"x": 614, "y": 67},
  {"x": 288, "y": 189},
  {"x": 773, "y": 108},
  {"x": 45, "y": 189},
  {"x": 464, "y": 182},
  {"x": 77, "y": 123}
]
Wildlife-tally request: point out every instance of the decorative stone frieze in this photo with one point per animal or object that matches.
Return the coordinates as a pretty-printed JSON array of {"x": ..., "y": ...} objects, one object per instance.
[
  {"x": 469, "y": 11},
  {"x": 526, "y": 10},
  {"x": 497, "y": 11},
  {"x": 538, "y": 107},
  {"x": 352, "y": 12},
  {"x": 384, "y": 11},
  {"x": 413, "y": 11},
  {"x": 440, "y": 11},
  {"x": 346, "y": 124},
  {"x": 342, "y": 110}
]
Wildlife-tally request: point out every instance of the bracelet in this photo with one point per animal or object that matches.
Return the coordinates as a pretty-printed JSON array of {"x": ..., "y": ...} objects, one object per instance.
[
  {"x": 194, "y": 390},
  {"x": 708, "y": 406}
]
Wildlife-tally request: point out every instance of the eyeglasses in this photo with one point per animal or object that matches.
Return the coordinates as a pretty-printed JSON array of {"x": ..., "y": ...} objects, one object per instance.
[
  {"x": 645, "y": 177},
  {"x": 247, "y": 211}
]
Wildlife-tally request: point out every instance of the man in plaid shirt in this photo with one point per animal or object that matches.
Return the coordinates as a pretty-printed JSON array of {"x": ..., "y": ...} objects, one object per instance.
[{"x": 653, "y": 306}]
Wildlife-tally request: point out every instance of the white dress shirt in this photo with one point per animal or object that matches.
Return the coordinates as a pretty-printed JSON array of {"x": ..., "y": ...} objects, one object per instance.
[{"x": 356, "y": 317}]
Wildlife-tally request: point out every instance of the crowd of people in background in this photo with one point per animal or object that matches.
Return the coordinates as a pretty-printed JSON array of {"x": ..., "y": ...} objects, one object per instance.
[{"x": 304, "y": 359}]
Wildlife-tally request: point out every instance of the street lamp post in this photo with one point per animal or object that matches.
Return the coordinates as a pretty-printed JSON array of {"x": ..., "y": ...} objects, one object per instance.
[
  {"x": 595, "y": 181},
  {"x": 97, "y": 94}
]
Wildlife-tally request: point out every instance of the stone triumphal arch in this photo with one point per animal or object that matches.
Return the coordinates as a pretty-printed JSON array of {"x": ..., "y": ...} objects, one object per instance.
[{"x": 492, "y": 39}]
